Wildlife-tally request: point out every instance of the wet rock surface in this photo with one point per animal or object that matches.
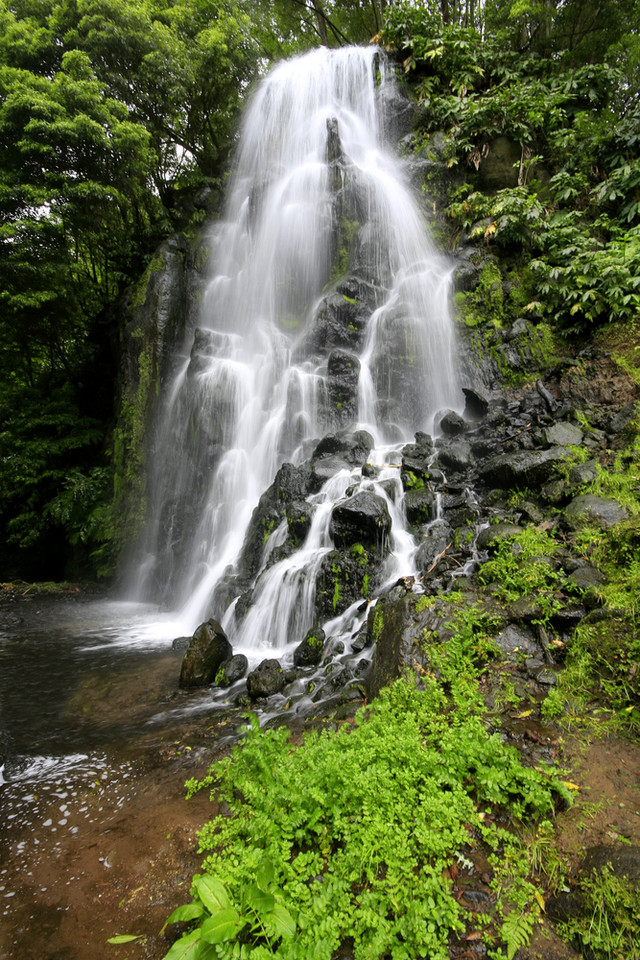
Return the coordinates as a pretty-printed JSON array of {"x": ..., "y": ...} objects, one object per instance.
[{"x": 208, "y": 649}]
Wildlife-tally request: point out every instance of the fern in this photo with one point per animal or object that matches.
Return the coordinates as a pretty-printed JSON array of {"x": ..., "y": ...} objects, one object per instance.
[{"x": 516, "y": 931}]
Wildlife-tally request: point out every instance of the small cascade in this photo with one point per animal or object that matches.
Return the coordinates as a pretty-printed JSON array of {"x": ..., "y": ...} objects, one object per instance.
[{"x": 324, "y": 345}]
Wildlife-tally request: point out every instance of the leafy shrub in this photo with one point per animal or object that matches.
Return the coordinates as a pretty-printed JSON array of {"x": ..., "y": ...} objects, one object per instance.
[{"x": 351, "y": 830}]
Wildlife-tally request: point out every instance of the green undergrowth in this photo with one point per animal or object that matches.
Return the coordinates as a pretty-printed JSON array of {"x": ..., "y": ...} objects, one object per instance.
[
  {"x": 601, "y": 668},
  {"x": 352, "y": 836},
  {"x": 608, "y": 927},
  {"x": 522, "y": 568}
]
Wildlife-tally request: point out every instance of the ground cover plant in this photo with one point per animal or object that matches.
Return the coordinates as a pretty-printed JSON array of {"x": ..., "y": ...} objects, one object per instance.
[{"x": 353, "y": 836}]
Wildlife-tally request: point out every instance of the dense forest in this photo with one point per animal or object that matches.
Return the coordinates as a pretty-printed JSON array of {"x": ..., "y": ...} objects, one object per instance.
[{"x": 117, "y": 121}]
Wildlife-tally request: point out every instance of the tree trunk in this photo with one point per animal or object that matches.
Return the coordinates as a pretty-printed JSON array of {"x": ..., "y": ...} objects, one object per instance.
[{"x": 321, "y": 22}]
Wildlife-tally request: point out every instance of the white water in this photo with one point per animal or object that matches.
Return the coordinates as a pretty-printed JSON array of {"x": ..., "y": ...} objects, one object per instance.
[{"x": 255, "y": 393}]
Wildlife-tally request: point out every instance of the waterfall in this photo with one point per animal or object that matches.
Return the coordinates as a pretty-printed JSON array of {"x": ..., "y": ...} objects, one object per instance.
[{"x": 327, "y": 311}]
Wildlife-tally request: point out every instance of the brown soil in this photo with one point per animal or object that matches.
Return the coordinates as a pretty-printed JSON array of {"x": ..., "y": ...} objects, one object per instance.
[{"x": 606, "y": 810}]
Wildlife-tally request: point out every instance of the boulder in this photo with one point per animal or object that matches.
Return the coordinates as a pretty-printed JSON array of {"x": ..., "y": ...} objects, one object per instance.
[
  {"x": 352, "y": 448},
  {"x": 516, "y": 642},
  {"x": 583, "y": 473},
  {"x": 363, "y": 518},
  {"x": 563, "y": 434},
  {"x": 526, "y": 468},
  {"x": 299, "y": 516},
  {"x": 436, "y": 540},
  {"x": 309, "y": 652},
  {"x": 419, "y": 505},
  {"x": 599, "y": 510},
  {"x": 232, "y": 670},
  {"x": 476, "y": 404},
  {"x": 452, "y": 424},
  {"x": 208, "y": 649},
  {"x": 342, "y": 385},
  {"x": 265, "y": 680},
  {"x": 344, "y": 577},
  {"x": 491, "y": 537},
  {"x": 454, "y": 454}
]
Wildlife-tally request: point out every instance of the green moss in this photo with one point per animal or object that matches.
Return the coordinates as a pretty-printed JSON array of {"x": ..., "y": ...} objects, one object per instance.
[
  {"x": 485, "y": 304},
  {"x": 347, "y": 231},
  {"x": 139, "y": 296},
  {"x": 268, "y": 525},
  {"x": 378, "y": 623},
  {"x": 423, "y": 603}
]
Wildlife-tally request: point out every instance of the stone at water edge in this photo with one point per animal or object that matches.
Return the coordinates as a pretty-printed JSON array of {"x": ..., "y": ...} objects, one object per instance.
[
  {"x": 207, "y": 650},
  {"x": 528, "y": 468},
  {"x": 476, "y": 404},
  {"x": 309, "y": 652},
  {"x": 452, "y": 424},
  {"x": 364, "y": 519},
  {"x": 267, "y": 679},
  {"x": 231, "y": 670}
]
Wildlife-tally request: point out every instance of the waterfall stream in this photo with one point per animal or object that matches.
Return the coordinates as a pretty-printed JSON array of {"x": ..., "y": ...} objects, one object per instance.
[{"x": 327, "y": 314}]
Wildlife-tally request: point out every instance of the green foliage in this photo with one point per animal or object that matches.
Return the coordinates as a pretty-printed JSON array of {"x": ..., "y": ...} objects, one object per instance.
[
  {"x": 574, "y": 210},
  {"x": 608, "y": 928},
  {"x": 484, "y": 304},
  {"x": 354, "y": 828},
  {"x": 522, "y": 567}
]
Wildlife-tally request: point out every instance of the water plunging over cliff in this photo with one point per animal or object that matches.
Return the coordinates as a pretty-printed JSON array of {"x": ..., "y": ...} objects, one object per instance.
[{"x": 327, "y": 312}]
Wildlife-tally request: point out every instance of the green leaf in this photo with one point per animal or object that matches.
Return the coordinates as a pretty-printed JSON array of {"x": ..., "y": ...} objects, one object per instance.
[
  {"x": 212, "y": 893},
  {"x": 186, "y": 948},
  {"x": 124, "y": 938},
  {"x": 265, "y": 874},
  {"x": 261, "y": 901},
  {"x": 281, "y": 921},
  {"x": 189, "y": 911},
  {"x": 221, "y": 927}
]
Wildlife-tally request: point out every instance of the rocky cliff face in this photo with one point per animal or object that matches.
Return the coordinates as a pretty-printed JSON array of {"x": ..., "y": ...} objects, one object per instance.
[{"x": 155, "y": 316}]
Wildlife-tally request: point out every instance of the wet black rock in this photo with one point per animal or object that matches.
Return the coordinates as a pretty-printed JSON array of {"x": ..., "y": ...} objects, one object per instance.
[
  {"x": 586, "y": 577},
  {"x": 563, "y": 434},
  {"x": 435, "y": 542},
  {"x": 398, "y": 625},
  {"x": 362, "y": 519},
  {"x": 454, "y": 455},
  {"x": 338, "y": 323},
  {"x": 208, "y": 649},
  {"x": 181, "y": 643},
  {"x": 528, "y": 468},
  {"x": 342, "y": 385},
  {"x": 451, "y": 424},
  {"x": 309, "y": 652},
  {"x": 592, "y": 509},
  {"x": 352, "y": 447},
  {"x": 517, "y": 642},
  {"x": 476, "y": 404},
  {"x": 343, "y": 578},
  {"x": 419, "y": 505},
  {"x": 492, "y": 536},
  {"x": 267, "y": 679},
  {"x": 232, "y": 670},
  {"x": 299, "y": 515},
  {"x": 583, "y": 473}
]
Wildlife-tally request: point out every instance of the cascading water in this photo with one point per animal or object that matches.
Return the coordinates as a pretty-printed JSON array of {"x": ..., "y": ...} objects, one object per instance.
[{"x": 327, "y": 312}]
